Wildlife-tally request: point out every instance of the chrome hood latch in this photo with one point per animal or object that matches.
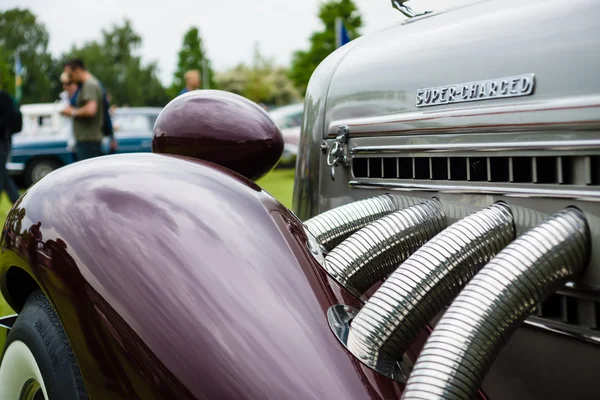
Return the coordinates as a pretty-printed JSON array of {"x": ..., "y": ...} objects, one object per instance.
[{"x": 338, "y": 154}]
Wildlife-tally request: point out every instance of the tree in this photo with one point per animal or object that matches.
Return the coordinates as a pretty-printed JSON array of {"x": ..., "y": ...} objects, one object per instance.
[
  {"x": 322, "y": 43},
  {"x": 191, "y": 56},
  {"x": 261, "y": 82},
  {"x": 20, "y": 31},
  {"x": 7, "y": 78},
  {"x": 114, "y": 62}
]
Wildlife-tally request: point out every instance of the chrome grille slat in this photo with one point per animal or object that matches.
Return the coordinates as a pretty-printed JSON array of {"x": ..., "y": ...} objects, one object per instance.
[{"x": 551, "y": 170}]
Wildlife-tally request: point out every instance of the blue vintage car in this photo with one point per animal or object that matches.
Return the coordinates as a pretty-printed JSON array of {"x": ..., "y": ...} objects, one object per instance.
[{"x": 44, "y": 145}]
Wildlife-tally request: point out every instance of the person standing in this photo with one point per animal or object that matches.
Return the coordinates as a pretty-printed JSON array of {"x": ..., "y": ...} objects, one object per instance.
[
  {"x": 88, "y": 112},
  {"x": 192, "y": 81},
  {"x": 68, "y": 97},
  {"x": 11, "y": 121}
]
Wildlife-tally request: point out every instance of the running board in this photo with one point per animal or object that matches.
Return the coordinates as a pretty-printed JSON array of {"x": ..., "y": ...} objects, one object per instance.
[{"x": 8, "y": 321}]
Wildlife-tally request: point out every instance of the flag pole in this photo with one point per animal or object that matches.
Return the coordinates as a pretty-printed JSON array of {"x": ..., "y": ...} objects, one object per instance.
[
  {"x": 338, "y": 32},
  {"x": 18, "y": 78},
  {"x": 205, "y": 83}
]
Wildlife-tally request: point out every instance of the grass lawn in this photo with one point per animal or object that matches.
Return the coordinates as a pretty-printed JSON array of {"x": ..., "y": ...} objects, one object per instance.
[
  {"x": 5, "y": 206},
  {"x": 4, "y": 310},
  {"x": 280, "y": 184}
]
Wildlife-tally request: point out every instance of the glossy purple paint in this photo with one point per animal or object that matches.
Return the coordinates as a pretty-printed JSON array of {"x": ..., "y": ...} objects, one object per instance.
[
  {"x": 176, "y": 278},
  {"x": 222, "y": 128}
]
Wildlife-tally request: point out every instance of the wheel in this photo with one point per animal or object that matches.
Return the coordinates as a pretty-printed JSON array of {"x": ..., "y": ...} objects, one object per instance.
[
  {"x": 38, "y": 169},
  {"x": 38, "y": 362}
]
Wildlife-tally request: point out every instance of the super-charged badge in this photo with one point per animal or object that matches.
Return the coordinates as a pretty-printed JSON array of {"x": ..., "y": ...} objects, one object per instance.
[{"x": 512, "y": 86}]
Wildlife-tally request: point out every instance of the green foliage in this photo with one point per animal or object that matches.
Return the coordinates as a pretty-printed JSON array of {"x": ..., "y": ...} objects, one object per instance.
[
  {"x": 114, "y": 62},
  {"x": 261, "y": 82},
  {"x": 280, "y": 184},
  {"x": 322, "y": 43},
  {"x": 5, "y": 206},
  {"x": 190, "y": 57},
  {"x": 21, "y": 31},
  {"x": 5, "y": 308},
  {"x": 7, "y": 78}
]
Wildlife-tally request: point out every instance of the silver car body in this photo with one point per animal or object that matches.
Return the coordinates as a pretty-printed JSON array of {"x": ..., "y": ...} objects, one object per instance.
[{"x": 538, "y": 152}]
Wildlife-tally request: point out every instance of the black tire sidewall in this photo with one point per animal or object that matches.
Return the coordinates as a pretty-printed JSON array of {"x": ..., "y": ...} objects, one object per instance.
[
  {"x": 40, "y": 329},
  {"x": 28, "y": 176}
]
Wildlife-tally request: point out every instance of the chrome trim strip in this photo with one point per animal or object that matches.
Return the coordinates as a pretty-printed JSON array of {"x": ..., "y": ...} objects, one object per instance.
[
  {"x": 580, "y": 291},
  {"x": 527, "y": 127},
  {"x": 8, "y": 321},
  {"x": 15, "y": 167},
  {"x": 515, "y": 112},
  {"x": 588, "y": 195},
  {"x": 561, "y": 145},
  {"x": 55, "y": 151},
  {"x": 573, "y": 331}
]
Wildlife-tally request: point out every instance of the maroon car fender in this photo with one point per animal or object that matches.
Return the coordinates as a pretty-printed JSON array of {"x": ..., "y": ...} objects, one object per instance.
[{"x": 177, "y": 278}]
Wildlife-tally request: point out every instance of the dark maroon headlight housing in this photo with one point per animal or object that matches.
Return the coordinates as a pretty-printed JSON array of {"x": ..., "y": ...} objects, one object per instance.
[{"x": 222, "y": 128}]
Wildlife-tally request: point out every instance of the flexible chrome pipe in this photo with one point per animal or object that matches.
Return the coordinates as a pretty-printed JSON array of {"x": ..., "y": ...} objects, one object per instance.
[
  {"x": 424, "y": 284},
  {"x": 332, "y": 227},
  {"x": 495, "y": 303},
  {"x": 375, "y": 251}
]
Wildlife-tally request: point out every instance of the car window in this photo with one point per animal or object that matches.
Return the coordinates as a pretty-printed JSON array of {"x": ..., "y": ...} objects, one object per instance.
[
  {"x": 152, "y": 120},
  {"x": 132, "y": 125},
  {"x": 39, "y": 124},
  {"x": 293, "y": 120}
]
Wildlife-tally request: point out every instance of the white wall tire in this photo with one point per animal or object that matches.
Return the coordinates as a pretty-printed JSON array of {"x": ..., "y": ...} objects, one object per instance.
[
  {"x": 17, "y": 371},
  {"x": 38, "y": 355}
]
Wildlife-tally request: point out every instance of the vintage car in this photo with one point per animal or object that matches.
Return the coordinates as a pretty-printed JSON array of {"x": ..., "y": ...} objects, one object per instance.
[
  {"x": 42, "y": 119},
  {"x": 289, "y": 120},
  {"x": 39, "y": 150},
  {"x": 443, "y": 243}
]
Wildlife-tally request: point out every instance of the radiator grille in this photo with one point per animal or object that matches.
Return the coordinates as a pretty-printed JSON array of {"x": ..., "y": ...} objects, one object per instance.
[
  {"x": 572, "y": 310},
  {"x": 558, "y": 170},
  {"x": 570, "y": 313}
]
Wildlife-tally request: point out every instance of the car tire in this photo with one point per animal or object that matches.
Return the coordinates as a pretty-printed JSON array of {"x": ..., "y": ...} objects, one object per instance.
[
  {"x": 37, "y": 169},
  {"x": 38, "y": 362}
]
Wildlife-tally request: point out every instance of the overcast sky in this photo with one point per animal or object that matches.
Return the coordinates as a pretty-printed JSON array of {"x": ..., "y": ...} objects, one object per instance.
[{"x": 229, "y": 28}]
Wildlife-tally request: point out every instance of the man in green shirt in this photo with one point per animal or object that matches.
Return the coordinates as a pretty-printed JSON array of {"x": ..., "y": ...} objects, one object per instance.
[
  {"x": 11, "y": 121},
  {"x": 88, "y": 113}
]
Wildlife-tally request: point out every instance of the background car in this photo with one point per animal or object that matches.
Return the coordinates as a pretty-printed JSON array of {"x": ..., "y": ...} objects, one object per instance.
[
  {"x": 41, "y": 119},
  {"x": 289, "y": 120},
  {"x": 43, "y": 145}
]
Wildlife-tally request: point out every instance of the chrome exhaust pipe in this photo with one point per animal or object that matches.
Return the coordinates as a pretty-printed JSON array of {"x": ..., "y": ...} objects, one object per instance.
[
  {"x": 495, "y": 303},
  {"x": 424, "y": 284},
  {"x": 332, "y": 227},
  {"x": 375, "y": 251}
]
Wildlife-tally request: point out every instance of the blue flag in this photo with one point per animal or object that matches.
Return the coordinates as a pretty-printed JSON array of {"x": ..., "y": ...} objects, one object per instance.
[
  {"x": 341, "y": 33},
  {"x": 18, "y": 79}
]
